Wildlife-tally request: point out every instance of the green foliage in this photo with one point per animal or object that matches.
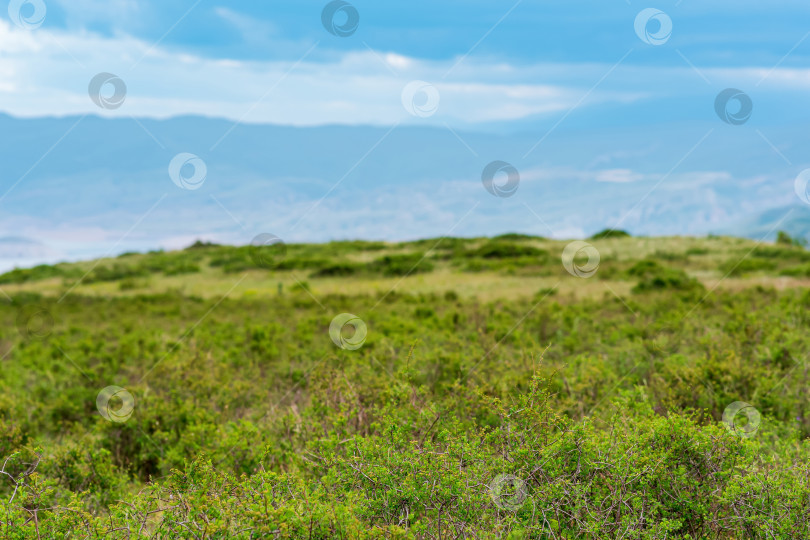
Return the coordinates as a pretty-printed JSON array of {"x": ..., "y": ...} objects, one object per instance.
[
  {"x": 739, "y": 267},
  {"x": 337, "y": 270},
  {"x": 656, "y": 277},
  {"x": 796, "y": 271},
  {"x": 200, "y": 244},
  {"x": 545, "y": 415},
  {"x": 401, "y": 265},
  {"x": 506, "y": 250},
  {"x": 37, "y": 273},
  {"x": 697, "y": 251},
  {"x": 610, "y": 233},
  {"x": 670, "y": 256},
  {"x": 784, "y": 238},
  {"x": 115, "y": 272},
  {"x": 516, "y": 237},
  {"x": 793, "y": 253},
  {"x": 768, "y": 259}
]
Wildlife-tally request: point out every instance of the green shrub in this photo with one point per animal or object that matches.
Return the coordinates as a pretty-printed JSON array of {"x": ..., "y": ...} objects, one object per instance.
[
  {"x": 669, "y": 256},
  {"x": 129, "y": 284},
  {"x": 655, "y": 277},
  {"x": 37, "y": 273},
  {"x": 200, "y": 244},
  {"x": 796, "y": 271},
  {"x": 773, "y": 253},
  {"x": 232, "y": 260},
  {"x": 337, "y": 270},
  {"x": 302, "y": 263},
  {"x": 516, "y": 237},
  {"x": 603, "y": 409},
  {"x": 697, "y": 251},
  {"x": 506, "y": 250},
  {"x": 610, "y": 233},
  {"x": 401, "y": 265},
  {"x": 115, "y": 272},
  {"x": 784, "y": 238},
  {"x": 740, "y": 267}
]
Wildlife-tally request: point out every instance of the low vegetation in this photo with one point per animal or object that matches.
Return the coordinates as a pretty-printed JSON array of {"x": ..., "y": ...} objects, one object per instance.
[{"x": 496, "y": 395}]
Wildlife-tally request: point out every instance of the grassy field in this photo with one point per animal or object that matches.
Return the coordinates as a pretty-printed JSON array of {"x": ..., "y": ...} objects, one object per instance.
[{"x": 482, "y": 388}]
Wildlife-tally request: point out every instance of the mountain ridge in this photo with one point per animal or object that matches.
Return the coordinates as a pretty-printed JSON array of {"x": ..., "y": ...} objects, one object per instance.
[{"x": 86, "y": 186}]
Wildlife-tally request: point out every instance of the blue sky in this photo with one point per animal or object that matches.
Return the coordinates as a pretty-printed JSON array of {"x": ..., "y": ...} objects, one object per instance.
[
  {"x": 610, "y": 121},
  {"x": 718, "y": 33},
  {"x": 521, "y": 65}
]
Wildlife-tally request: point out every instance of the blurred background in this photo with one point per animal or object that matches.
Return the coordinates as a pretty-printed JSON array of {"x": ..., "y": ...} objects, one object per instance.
[{"x": 139, "y": 125}]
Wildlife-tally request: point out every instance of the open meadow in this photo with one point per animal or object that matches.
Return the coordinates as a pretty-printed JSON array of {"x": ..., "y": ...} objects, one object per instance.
[{"x": 473, "y": 388}]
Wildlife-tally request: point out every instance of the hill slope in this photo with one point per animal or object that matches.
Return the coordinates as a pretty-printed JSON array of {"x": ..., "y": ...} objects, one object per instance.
[{"x": 482, "y": 387}]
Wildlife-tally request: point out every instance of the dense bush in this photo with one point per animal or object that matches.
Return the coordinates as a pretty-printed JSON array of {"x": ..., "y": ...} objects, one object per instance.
[
  {"x": 506, "y": 250},
  {"x": 37, "y": 273},
  {"x": 545, "y": 415},
  {"x": 784, "y": 238},
  {"x": 654, "y": 276},
  {"x": 737, "y": 267},
  {"x": 401, "y": 265},
  {"x": 517, "y": 237},
  {"x": 337, "y": 269},
  {"x": 610, "y": 233}
]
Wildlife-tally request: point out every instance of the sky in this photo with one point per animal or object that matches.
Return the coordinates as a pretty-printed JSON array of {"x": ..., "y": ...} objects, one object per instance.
[
  {"x": 492, "y": 65},
  {"x": 609, "y": 106}
]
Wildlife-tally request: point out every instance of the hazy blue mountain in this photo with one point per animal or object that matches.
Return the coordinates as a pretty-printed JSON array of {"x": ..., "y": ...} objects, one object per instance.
[{"x": 80, "y": 187}]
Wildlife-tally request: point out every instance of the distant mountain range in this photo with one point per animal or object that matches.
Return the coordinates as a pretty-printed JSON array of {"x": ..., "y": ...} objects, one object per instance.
[{"x": 79, "y": 187}]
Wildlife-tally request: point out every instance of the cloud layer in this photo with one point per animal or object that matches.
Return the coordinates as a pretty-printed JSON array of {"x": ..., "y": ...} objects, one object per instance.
[{"x": 46, "y": 72}]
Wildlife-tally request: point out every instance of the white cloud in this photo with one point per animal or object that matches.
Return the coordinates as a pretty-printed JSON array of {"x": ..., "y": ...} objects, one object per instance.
[
  {"x": 46, "y": 73},
  {"x": 618, "y": 176},
  {"x": 253, "y": 31}
]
